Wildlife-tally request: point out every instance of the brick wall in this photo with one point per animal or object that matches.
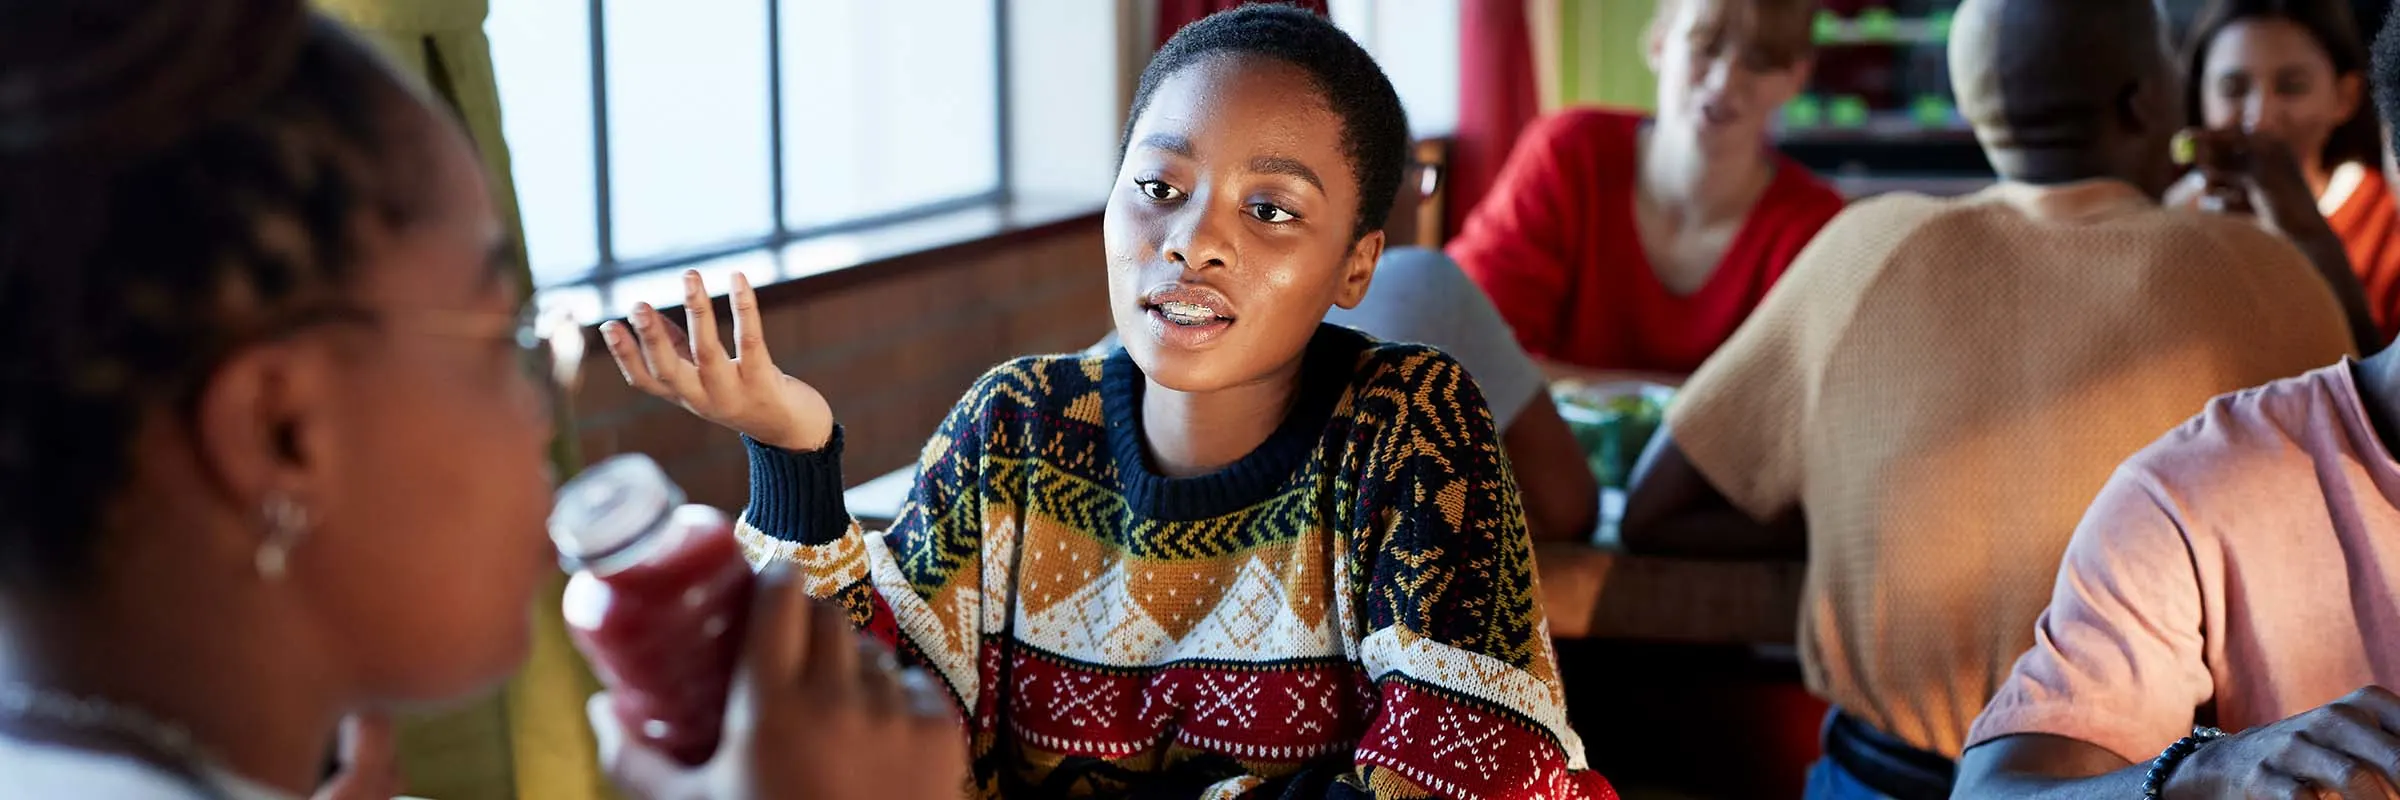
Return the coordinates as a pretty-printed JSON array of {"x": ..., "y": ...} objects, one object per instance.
[{"x": 892, "y": 347}]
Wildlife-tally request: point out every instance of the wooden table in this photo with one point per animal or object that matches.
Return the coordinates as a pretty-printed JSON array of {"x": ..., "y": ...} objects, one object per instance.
[{"x": 1601, "y": 593}]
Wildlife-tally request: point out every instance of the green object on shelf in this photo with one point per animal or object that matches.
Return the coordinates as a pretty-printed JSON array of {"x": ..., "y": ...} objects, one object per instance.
[
  {"x": 1931, "y": 111},
  {"x": 1805, "y": 111},
  {"x": 1848, "y": 111},
  {"x": 1937, "y": 26},
  {"x": 1828, "y": 27},
  {"x": 1878, "y": 24}
]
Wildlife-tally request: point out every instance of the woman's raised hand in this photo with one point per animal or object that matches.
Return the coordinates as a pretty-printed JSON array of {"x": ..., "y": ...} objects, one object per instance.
[{"x": 743, "y": 391}]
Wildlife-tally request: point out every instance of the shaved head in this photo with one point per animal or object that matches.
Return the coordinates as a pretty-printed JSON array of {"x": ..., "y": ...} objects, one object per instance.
[{"x": 2066, "y": 89}]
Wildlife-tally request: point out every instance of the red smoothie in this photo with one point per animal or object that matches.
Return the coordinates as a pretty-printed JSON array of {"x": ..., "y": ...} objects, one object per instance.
[{"x": 658, "y": 601}]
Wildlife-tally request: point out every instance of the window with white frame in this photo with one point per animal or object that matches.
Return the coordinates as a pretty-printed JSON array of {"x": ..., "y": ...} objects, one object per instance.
[
  {"x": 649, "y": 135},
  {"x": 1416, "y": 42}
]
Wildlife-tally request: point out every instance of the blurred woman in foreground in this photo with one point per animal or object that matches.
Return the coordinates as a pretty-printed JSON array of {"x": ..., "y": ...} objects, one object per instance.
[{"x": 269, "y": 449}]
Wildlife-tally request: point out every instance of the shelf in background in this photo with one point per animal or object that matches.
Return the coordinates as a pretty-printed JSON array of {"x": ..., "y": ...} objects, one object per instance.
[
  {"x": 1878, "y": 126},
  {"x": 1873, "y": 28}
]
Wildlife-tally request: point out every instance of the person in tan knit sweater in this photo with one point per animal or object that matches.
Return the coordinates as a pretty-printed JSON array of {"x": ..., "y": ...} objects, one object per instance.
[
  {"x": 2235, "y": 575},
  {"x": 1931, "y": 397}
]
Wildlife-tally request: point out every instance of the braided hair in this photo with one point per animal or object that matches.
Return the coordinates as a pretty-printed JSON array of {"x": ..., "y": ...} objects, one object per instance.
[
  {"x": 177, "y": 178},
  {"x": 1374, "y": 127}
]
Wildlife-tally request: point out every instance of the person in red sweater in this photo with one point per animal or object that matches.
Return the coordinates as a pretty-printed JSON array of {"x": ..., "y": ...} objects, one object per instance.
[{"x": 1623, "y": 246}]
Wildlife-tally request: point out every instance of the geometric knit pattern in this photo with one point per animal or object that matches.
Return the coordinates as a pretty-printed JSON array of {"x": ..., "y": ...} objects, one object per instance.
[{"x": 1350, "y": 611}]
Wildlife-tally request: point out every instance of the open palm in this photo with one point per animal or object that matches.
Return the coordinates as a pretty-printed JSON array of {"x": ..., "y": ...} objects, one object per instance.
[{"x": 743, "y": 391}]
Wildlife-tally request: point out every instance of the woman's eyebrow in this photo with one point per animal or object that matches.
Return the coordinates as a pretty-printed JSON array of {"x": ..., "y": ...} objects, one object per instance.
[
  {"x": 1284, "y": 165},
  {"x": 1168, "y": 142}
]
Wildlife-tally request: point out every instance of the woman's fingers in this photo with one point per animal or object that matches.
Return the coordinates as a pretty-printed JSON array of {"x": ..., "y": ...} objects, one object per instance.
[
  {"x": 706, "y": 350},
  {"x": 926, "y": 699},
  {"x": 749, "y": 335},
  {"x": 626, "y": 349},
  {"x": 832, "y": 650},
  {"x": 879, "y": 679},
  {"x": 783, "y": 625},
  {"x": 663, "y": 349},
  {"x": 370, "y": 764}
]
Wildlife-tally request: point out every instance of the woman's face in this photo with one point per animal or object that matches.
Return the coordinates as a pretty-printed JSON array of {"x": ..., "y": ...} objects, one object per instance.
[
  {"x": 2267, "y": 75},
  {"x": 432, "y": 485},
  {"x": 1721, "y": 89},
  {"x": 1229, "y": 227}
]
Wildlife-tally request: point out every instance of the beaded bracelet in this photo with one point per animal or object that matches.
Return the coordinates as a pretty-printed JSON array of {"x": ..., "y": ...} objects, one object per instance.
[{"x": 2156, "y": 781}]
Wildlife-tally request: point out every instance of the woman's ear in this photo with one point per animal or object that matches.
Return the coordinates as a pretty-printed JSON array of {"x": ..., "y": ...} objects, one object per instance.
[
  {"x": 1359, "y": 270},
  {"x": 261, "y": 423}
]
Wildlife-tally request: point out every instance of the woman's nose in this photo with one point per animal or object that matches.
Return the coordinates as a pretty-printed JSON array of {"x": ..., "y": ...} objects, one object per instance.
[
  {"x": 1194, "y": 239},
  {"x": 2262, "y": 114}
]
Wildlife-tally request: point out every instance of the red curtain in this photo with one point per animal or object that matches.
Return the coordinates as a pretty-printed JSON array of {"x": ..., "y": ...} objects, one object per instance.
[
  {"x": 1497, "y": 98},
  {"x": 1174, "y": 14}
]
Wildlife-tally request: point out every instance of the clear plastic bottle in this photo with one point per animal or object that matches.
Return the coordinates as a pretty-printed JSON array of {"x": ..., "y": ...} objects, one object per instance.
[{"x": 658, "y": 600}]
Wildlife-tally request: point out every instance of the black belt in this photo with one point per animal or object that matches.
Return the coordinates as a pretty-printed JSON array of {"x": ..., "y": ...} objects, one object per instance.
[{"x": 1886, "y": 764}]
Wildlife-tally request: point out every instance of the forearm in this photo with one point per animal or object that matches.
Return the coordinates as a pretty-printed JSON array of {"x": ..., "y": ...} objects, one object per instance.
[
  {"x": 1561, "y": 498},
  {"x": 2317, "y": 241},
  {"x": 2119, "y": 785},
  {"x": 2046, "y": 767}
]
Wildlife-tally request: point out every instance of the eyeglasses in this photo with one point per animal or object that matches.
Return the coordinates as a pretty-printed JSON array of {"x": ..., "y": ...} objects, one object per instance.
[{"x": 550, "y": 344}]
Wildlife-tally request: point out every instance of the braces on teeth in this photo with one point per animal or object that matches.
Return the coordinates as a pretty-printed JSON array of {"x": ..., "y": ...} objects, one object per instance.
[{"x": 1186, "y": 313}]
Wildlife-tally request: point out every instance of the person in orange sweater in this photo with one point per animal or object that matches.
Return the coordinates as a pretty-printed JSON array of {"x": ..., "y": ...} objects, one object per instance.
[
  {"x": 2293, "y": 70},
  {"x": 1623, "y": 246}
]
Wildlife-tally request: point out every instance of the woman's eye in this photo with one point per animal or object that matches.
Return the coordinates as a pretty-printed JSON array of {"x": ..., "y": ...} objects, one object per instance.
[
  {"x": 1158, "y": 190},
  {"x": 1267, "y": 212},
  {"x": 2293, "y": 88}
]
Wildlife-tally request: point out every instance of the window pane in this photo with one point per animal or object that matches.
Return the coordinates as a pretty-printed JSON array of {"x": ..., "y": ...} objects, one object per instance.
[
  {"x": 542, "y": 52},
  {"x": 887, "y": 106},
  {"x": 1416, "y": 41},
  {"x": 1063, "y": 118},
  {"x": 687, "y": 117}
]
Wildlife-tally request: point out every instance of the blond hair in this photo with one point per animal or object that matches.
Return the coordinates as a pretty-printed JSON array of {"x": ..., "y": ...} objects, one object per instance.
[{"x": 1781, "y": 32}]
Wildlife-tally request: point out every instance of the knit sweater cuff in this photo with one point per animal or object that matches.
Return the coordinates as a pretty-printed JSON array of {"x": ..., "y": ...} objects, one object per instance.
[{"x": 795, "y": 496}]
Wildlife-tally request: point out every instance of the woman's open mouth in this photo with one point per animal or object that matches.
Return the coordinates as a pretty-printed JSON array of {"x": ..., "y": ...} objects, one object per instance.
[{"x": 1186, "y": 316}]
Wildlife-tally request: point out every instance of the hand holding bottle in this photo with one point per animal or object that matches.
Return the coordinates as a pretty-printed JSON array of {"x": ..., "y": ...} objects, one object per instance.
[{"x": 817, "y": 711}]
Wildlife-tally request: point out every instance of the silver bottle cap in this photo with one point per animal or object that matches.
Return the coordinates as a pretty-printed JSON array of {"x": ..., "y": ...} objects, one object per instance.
[{"x": 611, "y": 506}]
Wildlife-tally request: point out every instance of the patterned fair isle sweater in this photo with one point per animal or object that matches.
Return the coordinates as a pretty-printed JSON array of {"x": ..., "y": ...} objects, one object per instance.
[{"x": 1348, "y": 611}]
